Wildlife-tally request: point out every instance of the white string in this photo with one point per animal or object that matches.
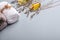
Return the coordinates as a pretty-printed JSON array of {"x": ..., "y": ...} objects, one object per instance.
[{"x": 50, "y": 5}]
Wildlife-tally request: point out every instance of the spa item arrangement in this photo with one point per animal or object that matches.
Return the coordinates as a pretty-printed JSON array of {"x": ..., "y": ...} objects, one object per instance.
[
  {"x": 33, "y": 7},
  {"x": 9, "y": 12}
]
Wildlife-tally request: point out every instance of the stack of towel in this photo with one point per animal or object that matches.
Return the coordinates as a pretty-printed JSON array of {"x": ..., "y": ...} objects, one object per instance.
[{"x": 8, "y": 14}]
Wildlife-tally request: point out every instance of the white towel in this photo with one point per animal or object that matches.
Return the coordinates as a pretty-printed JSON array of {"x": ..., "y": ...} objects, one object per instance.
[
  {"x": 10, "y": 13},
  {"x": 3, "y": 22}
]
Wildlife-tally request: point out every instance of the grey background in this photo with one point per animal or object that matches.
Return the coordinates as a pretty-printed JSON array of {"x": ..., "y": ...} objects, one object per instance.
[{"x": 45, "y": 26}]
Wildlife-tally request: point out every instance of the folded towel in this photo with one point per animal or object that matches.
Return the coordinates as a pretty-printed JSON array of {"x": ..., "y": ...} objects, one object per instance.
[
  {"x": 10, "y": 12},
  {"x": 3, "y": 22}
]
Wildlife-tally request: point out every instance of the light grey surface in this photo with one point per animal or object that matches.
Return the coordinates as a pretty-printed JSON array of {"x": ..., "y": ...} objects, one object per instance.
[{"x": 45, "y": 26}]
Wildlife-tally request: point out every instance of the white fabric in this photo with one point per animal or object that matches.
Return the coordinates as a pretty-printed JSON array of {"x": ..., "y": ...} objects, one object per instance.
[
  {"x": 11, "y": 14},
  {"x": 4, "y": 23}
]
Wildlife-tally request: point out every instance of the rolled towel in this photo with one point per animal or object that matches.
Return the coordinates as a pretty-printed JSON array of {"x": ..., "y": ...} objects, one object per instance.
[
  {"x": 3, "y": 22},
  {"x": 11, "y": 14}
]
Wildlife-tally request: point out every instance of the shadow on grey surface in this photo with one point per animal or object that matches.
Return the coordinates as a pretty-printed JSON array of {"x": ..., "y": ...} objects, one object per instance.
[{"x": 8, "y": 26}]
